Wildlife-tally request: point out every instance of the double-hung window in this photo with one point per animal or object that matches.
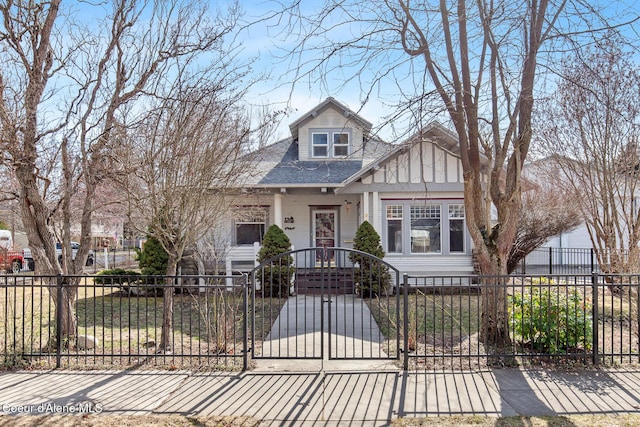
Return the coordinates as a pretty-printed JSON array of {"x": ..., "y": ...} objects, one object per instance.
[
  {"x": 394, "y": 228},
  {"x": 340, "y": 144},
  {"x": 250, "y": 224},
  {"x": 456, "y": 228},
  {"x": 330, "y": 143},
  {"x": 320, "y": 145}
]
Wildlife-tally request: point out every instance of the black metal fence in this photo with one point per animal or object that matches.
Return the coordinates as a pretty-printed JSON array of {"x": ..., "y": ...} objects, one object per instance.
[
  {"x": 119, "y": 321},
  {"x": 568, "y": 261},
  {"x": 587, "y": 319}
]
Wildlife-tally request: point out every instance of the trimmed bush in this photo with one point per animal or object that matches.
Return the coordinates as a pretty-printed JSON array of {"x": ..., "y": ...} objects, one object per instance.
[
  {"x": 552, "y": 320},
  {"x": 116, "y": 276},
  {"x": 372, "y": 276},
  {"x": 275, "y": 277},
  {"x": 153, "y": 259}
]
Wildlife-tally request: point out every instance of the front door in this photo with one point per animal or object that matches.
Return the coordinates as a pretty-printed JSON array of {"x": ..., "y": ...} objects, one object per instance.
[{"x": 324, "y": 234}]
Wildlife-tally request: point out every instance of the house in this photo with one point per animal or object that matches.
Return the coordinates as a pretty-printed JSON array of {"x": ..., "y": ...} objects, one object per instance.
[{"x": 332, "y": 174}]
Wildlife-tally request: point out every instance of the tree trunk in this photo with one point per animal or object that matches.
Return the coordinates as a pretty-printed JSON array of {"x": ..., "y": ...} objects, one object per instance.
[
  {"x": 494, "y": 328},
  {"x": 166, "y": 336}
]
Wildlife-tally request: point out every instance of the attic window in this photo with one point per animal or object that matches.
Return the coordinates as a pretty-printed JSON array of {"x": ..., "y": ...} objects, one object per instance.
[
  {"x": 340, "y": 144},
  {"x": 330, "y": 143},
  {"x": 320, "y": 145}
]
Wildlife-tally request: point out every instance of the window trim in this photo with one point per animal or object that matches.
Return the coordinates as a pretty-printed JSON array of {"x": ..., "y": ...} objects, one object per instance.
[
  {"x": 429, "y": 211},
  {"x": 394, "y": 215},
  {"x": 335, "y": 145},
  {"x": 464, "y": 226},
  {"x": 331, "y": 145},
  {"x": 326, "y": 146},
  {"x": 445, "y": 230},
  {"x": 263, "y": 210}
]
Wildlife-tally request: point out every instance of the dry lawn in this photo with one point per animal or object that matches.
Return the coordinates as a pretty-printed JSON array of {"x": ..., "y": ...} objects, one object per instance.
[
  {"x": 626, "y": 420},
  {"x": 208, "y": 328}
]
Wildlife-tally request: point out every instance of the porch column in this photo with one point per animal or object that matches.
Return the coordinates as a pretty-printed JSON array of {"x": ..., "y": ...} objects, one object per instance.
[
  {"x": 376, "y": 213},
  {"x": 365, "y": 206},
  {"x": 277, "y": 209}
]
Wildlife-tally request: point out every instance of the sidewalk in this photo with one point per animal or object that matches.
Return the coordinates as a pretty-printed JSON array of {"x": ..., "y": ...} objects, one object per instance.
[
  {"x": 324, "y": 398},
  {"x": 300, "y": 392}
]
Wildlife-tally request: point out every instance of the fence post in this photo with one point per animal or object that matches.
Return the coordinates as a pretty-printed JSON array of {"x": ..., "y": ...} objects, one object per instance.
[
  {"x": 550, "y": 260},
  {"x": 59, "y": 320},
  {"x": 638, "y": 302},
  {"x": 594, "y": 320},
  {"x": 405, "y": 320},
  {"x": 592, "y": 263},
  {"x": 245, "y": 322}
]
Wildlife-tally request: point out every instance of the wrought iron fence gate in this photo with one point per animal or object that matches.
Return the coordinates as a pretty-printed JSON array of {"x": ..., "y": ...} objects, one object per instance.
[{"x": 325, "y": 303}]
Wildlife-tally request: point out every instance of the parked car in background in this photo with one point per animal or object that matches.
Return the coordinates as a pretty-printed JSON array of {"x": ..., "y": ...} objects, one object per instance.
[
  {"x": 31, "y": 265},
  {"x": 10, "y": 260},
  {"x": 74, "y": 250}
]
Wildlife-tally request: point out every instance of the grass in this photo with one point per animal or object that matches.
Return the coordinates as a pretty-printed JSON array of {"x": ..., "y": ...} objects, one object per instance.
[
  {"x": 447, "y": 325},
  {"x": 623, "y": 420},
  {"x": 208, "y": 327},
  {"x": 441, "y": 318},
  {"x": 627, "y": 420}
]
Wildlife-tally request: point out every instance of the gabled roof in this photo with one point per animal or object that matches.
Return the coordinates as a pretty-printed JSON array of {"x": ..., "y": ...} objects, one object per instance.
[
  {"x": 434, "y": 132},
  {"x": 346, "y": 111}
]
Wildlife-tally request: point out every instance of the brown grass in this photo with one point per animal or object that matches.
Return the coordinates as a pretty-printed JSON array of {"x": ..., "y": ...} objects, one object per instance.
[{"x": 208, "y": 328}]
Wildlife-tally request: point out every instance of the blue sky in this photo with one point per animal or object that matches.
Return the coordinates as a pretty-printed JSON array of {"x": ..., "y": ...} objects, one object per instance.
[
  {"x": 265, "y": 44},
  {"x": 265, "y": 41}
]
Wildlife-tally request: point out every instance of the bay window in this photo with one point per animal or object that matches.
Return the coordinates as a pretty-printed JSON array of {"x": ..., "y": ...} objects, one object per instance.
[
  {"x": 425, "y": 229},
  {"x": 430, "y": 227}
]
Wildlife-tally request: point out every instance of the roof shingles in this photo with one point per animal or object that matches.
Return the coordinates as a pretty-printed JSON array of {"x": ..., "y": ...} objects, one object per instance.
[{"x": 290, "y": 170}]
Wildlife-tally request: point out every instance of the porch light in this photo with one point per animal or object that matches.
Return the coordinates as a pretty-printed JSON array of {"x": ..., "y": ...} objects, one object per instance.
[{"x": 347, "y": 206}]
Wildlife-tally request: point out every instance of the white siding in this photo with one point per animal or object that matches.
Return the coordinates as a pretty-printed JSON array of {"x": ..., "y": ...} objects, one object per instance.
[
  {"x": 434, "y": 264},
  {"x": 392, "y": 171},
  {"x": 438, "y": 165},
  {"x": 403, "y": 168},
  {"x": 414, "y": 165},
  {"x": 333, "y": 119},
  {"x": 427, "y": 159},
  {"x": 452, "y": 168}
]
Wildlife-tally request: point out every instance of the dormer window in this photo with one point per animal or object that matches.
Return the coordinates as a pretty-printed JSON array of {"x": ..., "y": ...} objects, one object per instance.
[
  {"x": 340, "y": 144},
  {"x": 327, "y": 143},
  {"x": 320, "y": 144}
]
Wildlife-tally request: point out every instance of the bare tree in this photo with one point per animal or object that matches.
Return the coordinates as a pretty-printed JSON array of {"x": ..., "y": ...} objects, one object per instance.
[
  {"x": 68, "y": 93},
  {"x": 591, "y": 127},
  {"x": 545, "y": 213},
  {"x": 188, "y": 158},
  {"x": 480, "y": 60}
]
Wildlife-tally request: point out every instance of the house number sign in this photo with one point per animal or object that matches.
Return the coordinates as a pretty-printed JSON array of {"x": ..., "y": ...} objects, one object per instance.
[{"x": 289, "y": 220}]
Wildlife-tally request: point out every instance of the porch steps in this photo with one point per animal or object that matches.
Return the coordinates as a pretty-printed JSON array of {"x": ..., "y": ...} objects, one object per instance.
[{"x": 337, "y": 281}]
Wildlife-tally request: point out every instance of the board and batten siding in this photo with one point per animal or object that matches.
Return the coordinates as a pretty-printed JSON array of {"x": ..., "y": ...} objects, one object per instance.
[{"x": 425, "y": 162}]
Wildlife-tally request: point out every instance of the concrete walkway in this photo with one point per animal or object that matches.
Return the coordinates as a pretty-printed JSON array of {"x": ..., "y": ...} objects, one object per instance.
[
  {"x": 323, "y": 398},
  {"x": 322, "y": 392},
  {"x": 310, "y": 326}
]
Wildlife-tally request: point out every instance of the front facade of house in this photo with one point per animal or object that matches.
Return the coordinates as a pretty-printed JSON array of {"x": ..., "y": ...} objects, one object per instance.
[{"x": 331, "y": 175}]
